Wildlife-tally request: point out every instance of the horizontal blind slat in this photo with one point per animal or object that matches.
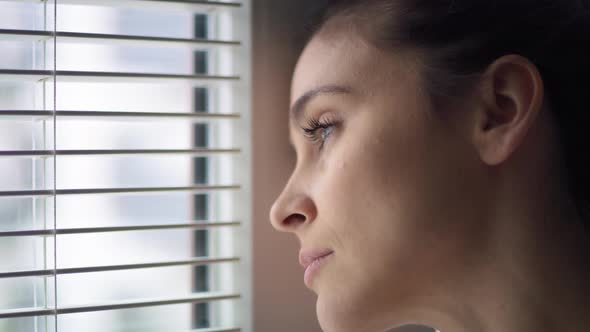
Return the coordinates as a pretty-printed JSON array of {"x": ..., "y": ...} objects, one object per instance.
[
  {"x": 149, "y": 303},
  {"x": 120, "y": 267},
  {"x": 218, "y": 330},
  {"x": 209, "y": 329},
  {"x": 200, "y": 3},
  {"x": 49, "y": 153},
  {"x": 13, "y": 34},
  {"x": 106, "y": 114},
  {"x": 197, "y": 298},
  {"x": 26, "y": 193},
  {"x": 29, "y": 312},
  {"x": 172, "y": 4},
  {"x": 88, "y": 230},
  {"x": 32, "y": 74}
]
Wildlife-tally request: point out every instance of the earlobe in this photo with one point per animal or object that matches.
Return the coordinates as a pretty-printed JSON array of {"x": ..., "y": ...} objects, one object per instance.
[{"x": 510, "y": 98}]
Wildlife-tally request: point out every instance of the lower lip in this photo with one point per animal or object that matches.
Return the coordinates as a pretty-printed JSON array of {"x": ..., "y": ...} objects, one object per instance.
[{"x": 313, "y": 268}]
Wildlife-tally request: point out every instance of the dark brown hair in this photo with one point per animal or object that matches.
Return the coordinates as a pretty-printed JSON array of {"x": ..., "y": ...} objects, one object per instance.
[{"x": 460, "y": 38}]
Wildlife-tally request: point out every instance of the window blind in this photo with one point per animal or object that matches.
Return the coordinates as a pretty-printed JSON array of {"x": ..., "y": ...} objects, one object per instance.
[{"x": 124, "y": 154}]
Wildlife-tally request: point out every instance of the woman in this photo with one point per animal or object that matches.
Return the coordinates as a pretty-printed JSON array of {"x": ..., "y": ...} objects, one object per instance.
[{"x": 443, "y": 174}]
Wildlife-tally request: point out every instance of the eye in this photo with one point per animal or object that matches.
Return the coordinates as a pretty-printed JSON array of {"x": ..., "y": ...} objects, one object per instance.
[
  {"x": 325, "y": 132},
  {"x": 319, "y": 131}
]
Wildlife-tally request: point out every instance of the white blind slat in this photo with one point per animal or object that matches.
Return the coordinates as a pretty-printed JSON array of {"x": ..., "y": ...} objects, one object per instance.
[
  {"x": 87, "y": 230},
  {"x": 119, "y": 267},
  {"x": 176, "y": 4},
  {"x": 218, "y": 330},
  {"x": 39, "y": 35},
  {"x": 198, "y": 298},
  {"x": 196, "y": 5},
  {"x": 103, "y": 76},
  {"x": 49, "y": 153},
  {"x": 93, "y": 191},
  {"x": 4, "y": 114}
]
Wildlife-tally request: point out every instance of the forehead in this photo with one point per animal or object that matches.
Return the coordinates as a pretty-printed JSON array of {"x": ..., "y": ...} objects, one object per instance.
[
  {"x": 329, "y": 60},
  {"x": 344, "y": 59}
]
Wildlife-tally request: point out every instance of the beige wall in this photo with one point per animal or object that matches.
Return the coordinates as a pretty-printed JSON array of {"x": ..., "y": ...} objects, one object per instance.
[{"x": 281, "y": 301}]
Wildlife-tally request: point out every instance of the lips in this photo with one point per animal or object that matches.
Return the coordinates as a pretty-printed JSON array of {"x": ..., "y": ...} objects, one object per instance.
[
  {"x": 306, "y": 257},
  {"x": 312, "y": 260}
]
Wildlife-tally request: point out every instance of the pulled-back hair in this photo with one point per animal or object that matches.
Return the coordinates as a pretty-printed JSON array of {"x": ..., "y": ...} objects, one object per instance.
[{"x": 458, "y": 39}]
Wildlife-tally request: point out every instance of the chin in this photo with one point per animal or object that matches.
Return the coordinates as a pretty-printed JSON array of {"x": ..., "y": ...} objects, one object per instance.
[
  {"x": 341, "y": 311},
  {"x": 336, "y": 314},
  {"x": 328, "y": 319}
]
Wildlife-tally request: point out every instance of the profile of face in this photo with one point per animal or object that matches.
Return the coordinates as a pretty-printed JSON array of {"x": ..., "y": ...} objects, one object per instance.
[{"x": 384, "y": 181}]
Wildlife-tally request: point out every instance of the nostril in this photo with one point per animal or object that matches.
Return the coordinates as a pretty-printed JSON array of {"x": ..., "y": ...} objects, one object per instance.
[
  {"x": 294, "y": 219},
  {"x": 292, "y": 210}
]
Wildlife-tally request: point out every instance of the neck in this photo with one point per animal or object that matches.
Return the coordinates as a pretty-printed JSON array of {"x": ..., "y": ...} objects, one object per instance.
[{"x": 532, "y": 277}]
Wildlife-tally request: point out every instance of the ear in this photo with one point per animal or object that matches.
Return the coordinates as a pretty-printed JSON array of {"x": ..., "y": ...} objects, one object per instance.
[{"x": 510, "y": 97}]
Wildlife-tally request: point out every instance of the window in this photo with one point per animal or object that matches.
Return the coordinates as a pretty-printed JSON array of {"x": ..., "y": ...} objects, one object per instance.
[{"x": 124, "y": 154}]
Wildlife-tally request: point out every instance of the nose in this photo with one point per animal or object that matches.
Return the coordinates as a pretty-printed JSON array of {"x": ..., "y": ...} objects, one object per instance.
[{"x": 292, "y": 209}]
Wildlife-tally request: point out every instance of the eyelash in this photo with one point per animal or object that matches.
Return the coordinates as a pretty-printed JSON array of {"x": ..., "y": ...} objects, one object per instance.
[{"x": 314, "y": 126}]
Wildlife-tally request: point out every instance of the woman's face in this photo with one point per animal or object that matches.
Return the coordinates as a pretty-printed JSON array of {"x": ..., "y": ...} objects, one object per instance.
[{"x": 382, "y": 180}]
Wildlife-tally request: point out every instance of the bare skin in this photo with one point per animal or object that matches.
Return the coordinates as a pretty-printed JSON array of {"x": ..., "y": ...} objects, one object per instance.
[{"x": 456, "y": 219}]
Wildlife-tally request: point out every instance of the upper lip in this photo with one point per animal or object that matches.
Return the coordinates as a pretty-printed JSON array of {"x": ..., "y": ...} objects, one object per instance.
[{"x": 307, "y": 256}]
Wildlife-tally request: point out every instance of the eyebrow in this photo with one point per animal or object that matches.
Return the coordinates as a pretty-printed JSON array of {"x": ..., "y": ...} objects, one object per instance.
[{"x": 302, "y": 101}]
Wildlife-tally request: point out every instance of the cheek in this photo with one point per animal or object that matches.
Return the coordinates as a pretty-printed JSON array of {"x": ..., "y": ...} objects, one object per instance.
[
  {"x": 369, "y": 196},
  {"x": 388, "y": 189},
  {"x": 375, "y": 168}
]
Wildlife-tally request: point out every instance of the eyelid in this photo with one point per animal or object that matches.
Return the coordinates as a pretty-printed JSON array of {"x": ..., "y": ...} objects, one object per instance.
[
  {"x": 316, "y": 126},
  {"x": 322, "y": 115},
  {"x": 326, "y": 117}
]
